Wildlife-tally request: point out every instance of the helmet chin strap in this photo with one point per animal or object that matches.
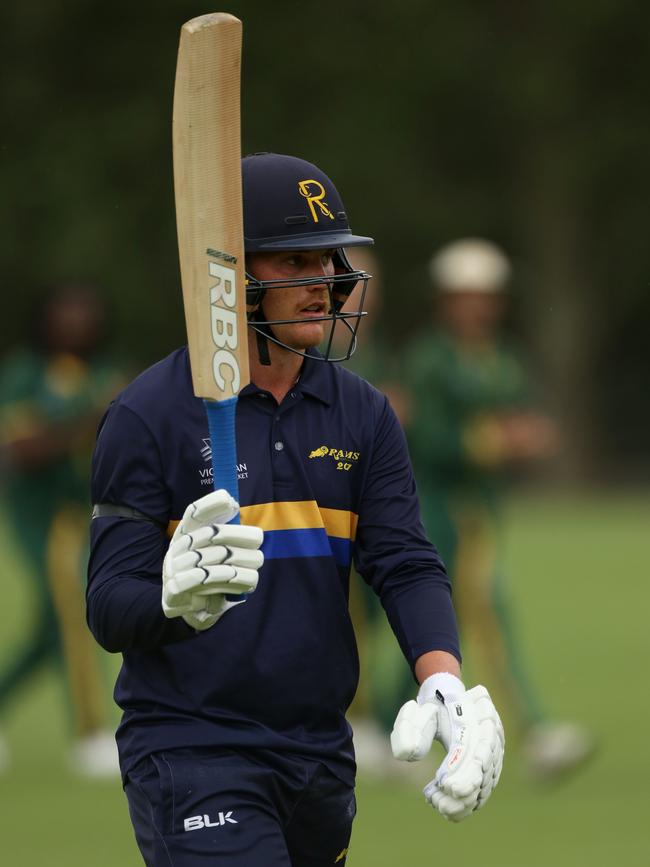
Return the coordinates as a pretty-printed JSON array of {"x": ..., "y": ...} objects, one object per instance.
[
  {"x": 261, "y": 341},
  {"x": 262, "y": 347}
]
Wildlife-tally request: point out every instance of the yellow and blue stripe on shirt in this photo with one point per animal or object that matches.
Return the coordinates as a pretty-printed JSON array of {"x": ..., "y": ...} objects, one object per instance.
[{"x": 303, "y": 529}]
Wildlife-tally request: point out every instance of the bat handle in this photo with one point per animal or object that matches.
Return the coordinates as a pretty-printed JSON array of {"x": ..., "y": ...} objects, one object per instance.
[{"x": 221, "y": 425}]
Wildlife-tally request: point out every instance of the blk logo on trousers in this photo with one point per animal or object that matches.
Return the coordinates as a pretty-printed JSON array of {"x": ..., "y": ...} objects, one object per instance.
[{"x": 195, "y": 823}]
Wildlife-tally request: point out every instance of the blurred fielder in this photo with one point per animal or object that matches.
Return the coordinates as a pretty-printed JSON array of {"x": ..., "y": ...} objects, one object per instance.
[
  {"x": 471, "y": 420},
  {"x": 51, "y": 396}
]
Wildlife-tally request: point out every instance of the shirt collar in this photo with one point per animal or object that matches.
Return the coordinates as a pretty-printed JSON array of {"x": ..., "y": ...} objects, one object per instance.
[{"x": 316, "y": 379}]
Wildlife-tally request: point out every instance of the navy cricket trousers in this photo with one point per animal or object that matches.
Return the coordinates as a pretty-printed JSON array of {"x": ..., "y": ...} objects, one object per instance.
[{"x": 238, "y": 809}]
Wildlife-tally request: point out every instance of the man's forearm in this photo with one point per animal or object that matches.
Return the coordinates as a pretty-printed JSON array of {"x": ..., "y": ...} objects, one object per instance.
[{"x": 126, "y": 614}]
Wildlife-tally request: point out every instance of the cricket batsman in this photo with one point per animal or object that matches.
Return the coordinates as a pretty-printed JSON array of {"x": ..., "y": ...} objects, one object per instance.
[{"x": 239, "y": 657}]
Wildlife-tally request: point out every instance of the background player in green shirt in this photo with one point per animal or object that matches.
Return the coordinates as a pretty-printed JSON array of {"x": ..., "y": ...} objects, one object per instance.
[
  {"x": 52, "y": 394},
  {"x": 471, "y": 420}
]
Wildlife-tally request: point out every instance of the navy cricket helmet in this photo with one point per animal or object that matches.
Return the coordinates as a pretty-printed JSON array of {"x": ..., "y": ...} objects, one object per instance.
[{"x": 290, "y": 204}]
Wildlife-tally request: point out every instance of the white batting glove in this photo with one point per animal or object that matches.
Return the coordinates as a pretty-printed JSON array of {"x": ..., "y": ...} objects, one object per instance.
[
  {"x": 208, "y": 559},
  {"x": 468, "y": 726}
]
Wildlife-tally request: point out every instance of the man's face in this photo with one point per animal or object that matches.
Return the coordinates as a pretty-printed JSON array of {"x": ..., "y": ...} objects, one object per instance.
[{"x": 303, "y": 303}]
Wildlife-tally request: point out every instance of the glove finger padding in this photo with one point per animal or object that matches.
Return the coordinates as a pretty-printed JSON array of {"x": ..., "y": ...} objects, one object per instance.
[
  {"x": 237, "y": 535},
  {"x": 247, "y": 558},
  {"x": 229, "y": 535},
  {"x": 414, "y": 731},
  {"x": 217, "y": 507},
  {"x": 204, "y": 582},
  {"x": 193, "y": 561},
  {"x": 454, "y": 809},
  {"x": 181, "y": 604},
  {"x": 218, "y": 581}
]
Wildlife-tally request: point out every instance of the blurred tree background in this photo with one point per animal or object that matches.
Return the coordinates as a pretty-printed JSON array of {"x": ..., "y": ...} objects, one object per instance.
[{"x": 524, "y": 123}]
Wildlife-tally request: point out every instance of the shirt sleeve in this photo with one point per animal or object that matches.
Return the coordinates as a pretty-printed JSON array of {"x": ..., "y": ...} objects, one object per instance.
[
  {"x": 126, "y": 555},
  {"x": 393, "y": 554}
]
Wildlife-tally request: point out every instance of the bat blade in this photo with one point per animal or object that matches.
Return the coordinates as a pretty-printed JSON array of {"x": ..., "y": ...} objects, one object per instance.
[{"x": 209, "y": 220}]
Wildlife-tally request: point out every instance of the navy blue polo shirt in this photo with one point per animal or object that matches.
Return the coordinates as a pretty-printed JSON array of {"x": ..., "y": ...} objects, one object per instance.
[{"x": 327, "y": 476}]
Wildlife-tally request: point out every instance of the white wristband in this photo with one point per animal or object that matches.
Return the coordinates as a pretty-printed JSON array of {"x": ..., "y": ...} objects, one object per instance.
[{"x": 448, "y": 685}]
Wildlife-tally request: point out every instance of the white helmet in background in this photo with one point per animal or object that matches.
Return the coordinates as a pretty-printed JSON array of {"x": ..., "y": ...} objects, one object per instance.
[{"x": 470, "y": 264}]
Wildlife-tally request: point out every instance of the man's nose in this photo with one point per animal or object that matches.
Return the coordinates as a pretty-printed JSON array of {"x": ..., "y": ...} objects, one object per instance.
[{"x": 324, "y": 270}]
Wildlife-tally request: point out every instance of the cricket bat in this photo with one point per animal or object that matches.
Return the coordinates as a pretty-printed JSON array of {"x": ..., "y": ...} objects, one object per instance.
[{"x": 209, "y": 221}]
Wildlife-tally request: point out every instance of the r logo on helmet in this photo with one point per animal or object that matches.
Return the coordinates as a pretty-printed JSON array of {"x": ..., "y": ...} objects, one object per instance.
[{"x": 306, "y": 189}]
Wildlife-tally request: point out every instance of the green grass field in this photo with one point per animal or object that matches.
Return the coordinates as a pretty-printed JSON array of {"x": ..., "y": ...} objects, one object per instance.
[{"x": 578, "y": 570}]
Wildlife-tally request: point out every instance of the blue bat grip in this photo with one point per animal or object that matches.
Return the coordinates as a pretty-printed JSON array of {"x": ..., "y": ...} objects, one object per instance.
[{"x": 221, "y": 424}]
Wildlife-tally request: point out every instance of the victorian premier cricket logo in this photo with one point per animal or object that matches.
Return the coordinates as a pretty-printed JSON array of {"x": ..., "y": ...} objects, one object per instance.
[
  {"x": 223, "y": 322},
  {"x": 206, "y": 474}
]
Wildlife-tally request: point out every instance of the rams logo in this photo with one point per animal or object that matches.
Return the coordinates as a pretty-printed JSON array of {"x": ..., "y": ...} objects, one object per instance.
[
  {"x": 344, "y": 459},
  {"x": 314, "y": 192},
  {"x": 318, "y": 453}
]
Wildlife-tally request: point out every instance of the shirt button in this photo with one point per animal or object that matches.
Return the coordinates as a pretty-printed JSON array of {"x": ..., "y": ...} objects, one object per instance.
[{"x": 279, "y": 446}]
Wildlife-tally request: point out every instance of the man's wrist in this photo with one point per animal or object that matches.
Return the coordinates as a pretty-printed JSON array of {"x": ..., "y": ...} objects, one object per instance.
[{"x": 434, "y": 661}]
